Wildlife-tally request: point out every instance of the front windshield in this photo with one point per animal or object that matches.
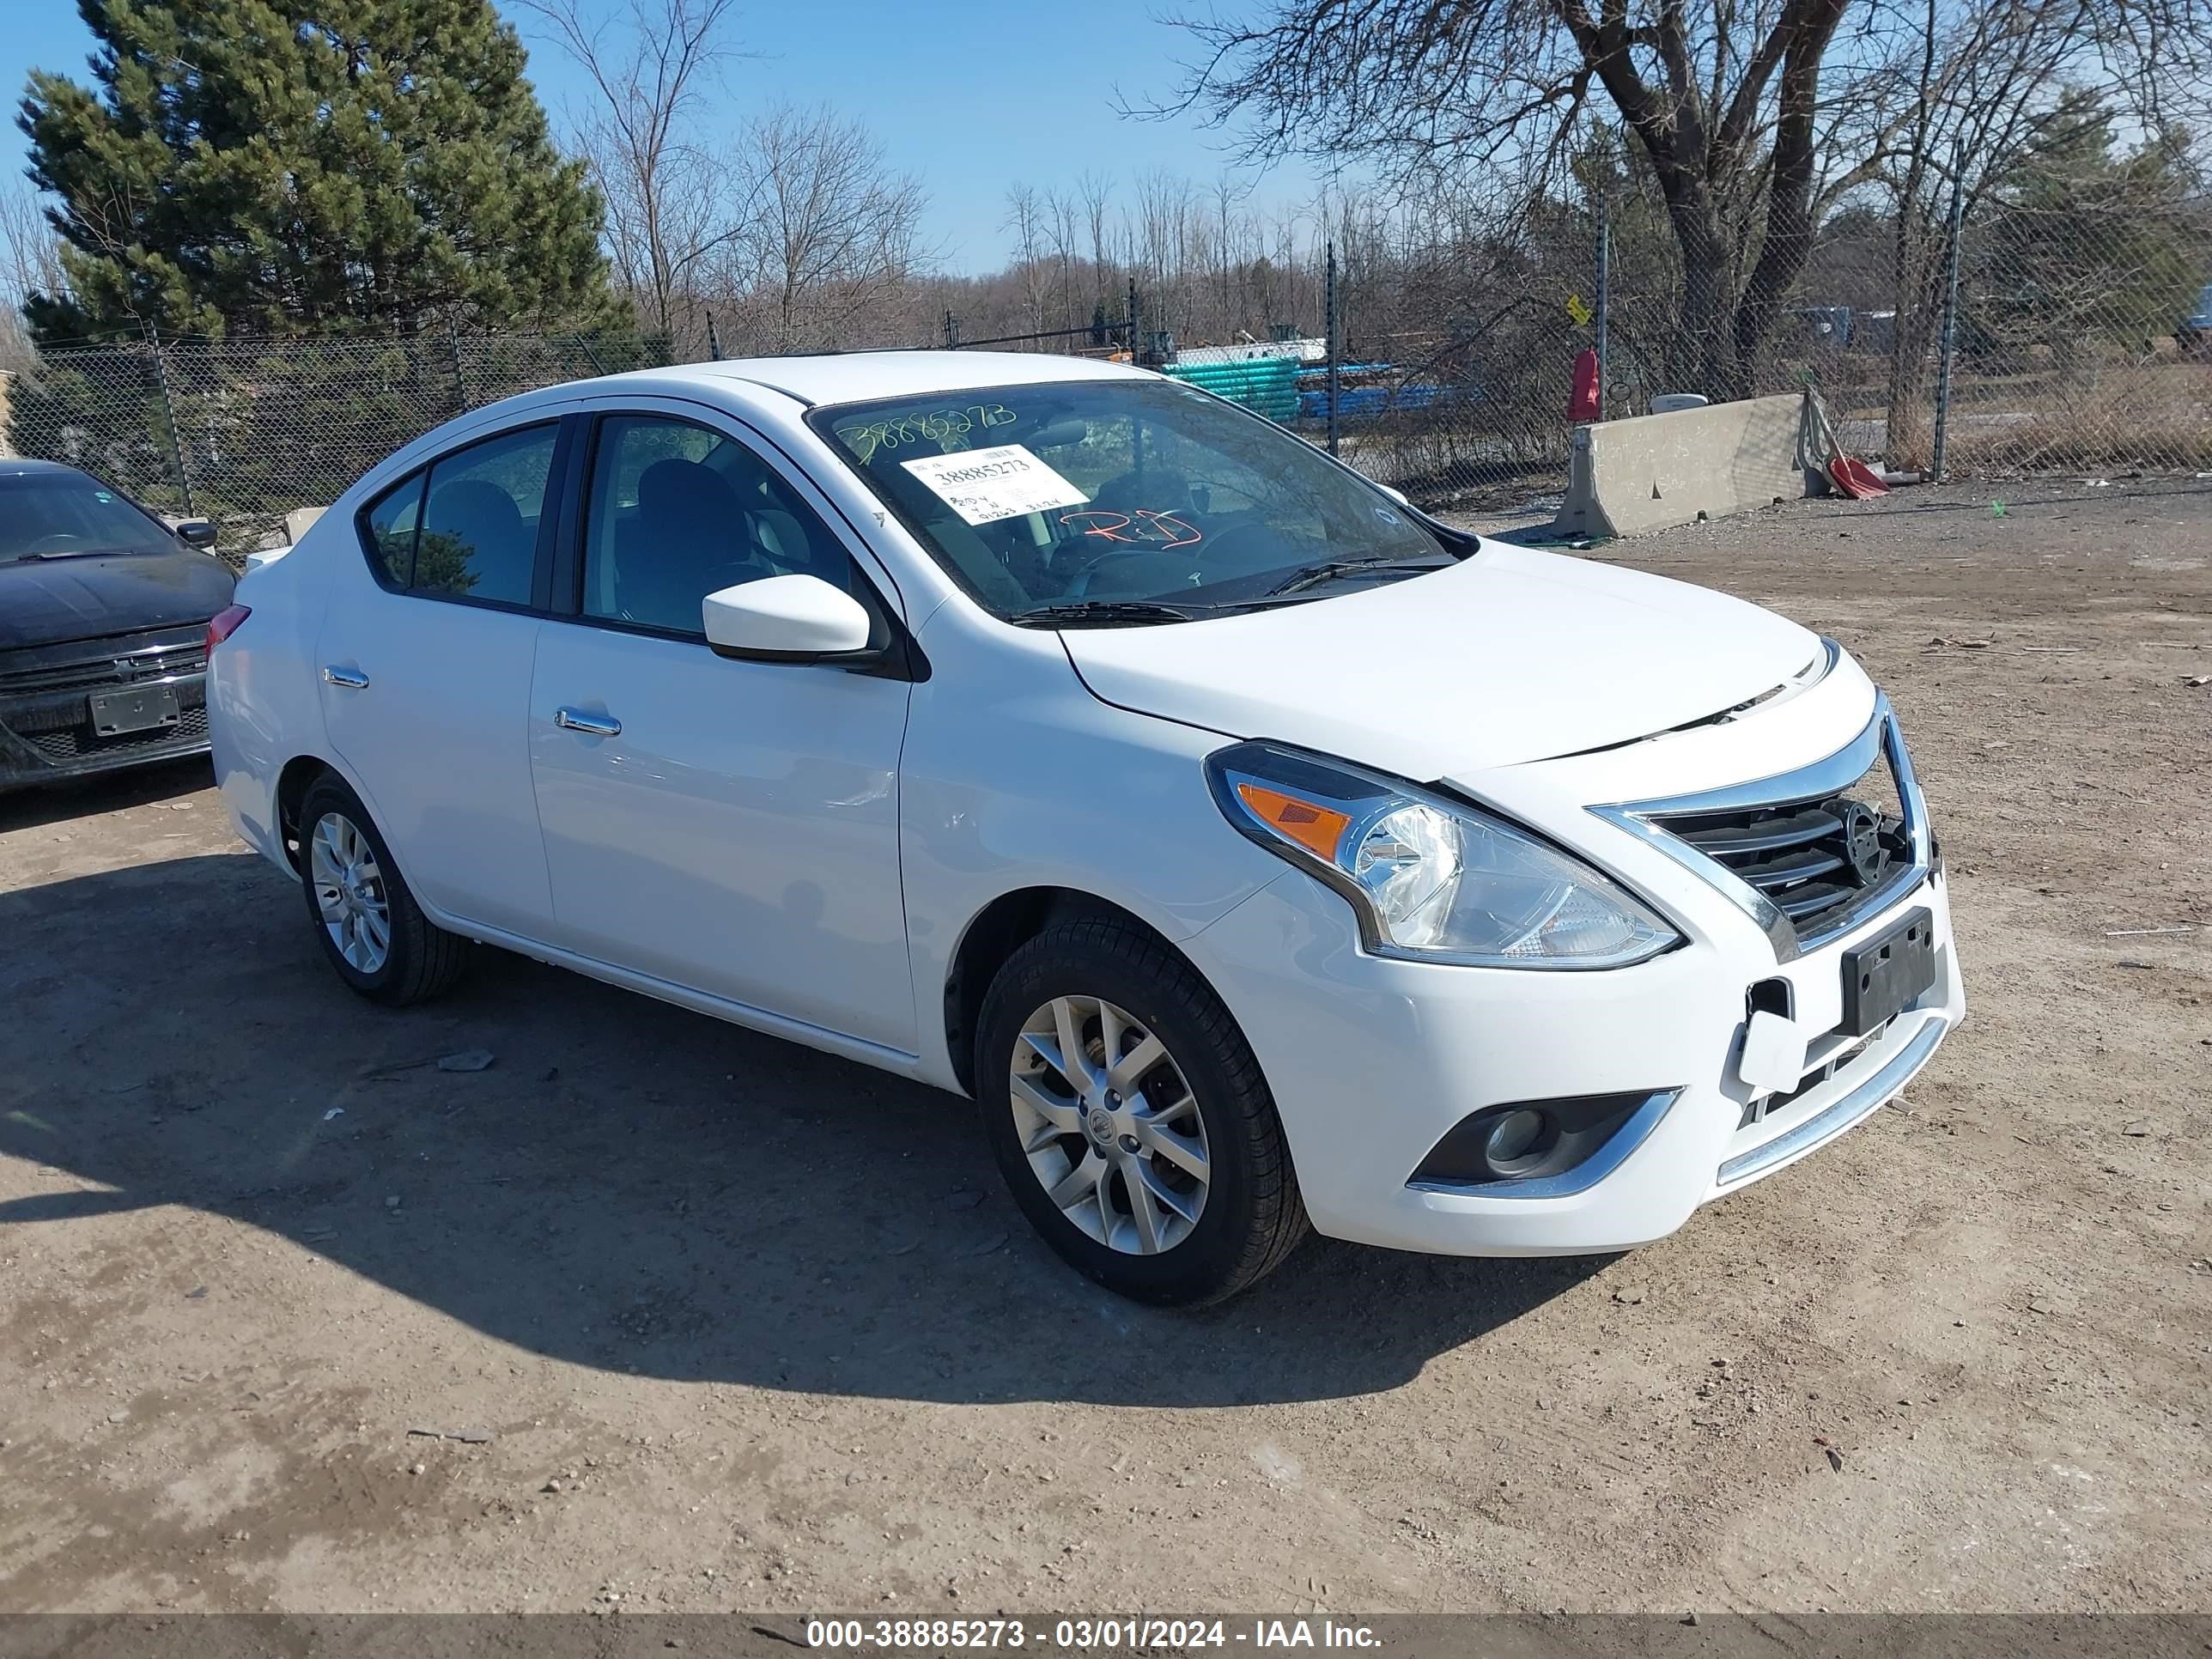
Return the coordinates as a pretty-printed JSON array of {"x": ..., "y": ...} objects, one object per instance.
[
  {"x": 67, "y": 514},
  {"x": 1093, "y": 495}
]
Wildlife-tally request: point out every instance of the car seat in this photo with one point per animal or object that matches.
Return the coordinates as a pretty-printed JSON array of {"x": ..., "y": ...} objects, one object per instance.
[
  {"x": 484, "y": 521},
  {"x": 687, "y": 540}
]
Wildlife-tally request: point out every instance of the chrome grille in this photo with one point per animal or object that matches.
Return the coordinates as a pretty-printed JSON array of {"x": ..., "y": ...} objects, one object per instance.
[
  {"x": 1810, "y": 858},
  {"x": 95, "y": 665},
  {"x": 1811, "y": 852}
]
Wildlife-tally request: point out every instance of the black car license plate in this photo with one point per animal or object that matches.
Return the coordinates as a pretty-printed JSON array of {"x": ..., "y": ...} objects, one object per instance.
[
  {"x": 1882, "y": 976},
  {"x": 144, "y": 708}
]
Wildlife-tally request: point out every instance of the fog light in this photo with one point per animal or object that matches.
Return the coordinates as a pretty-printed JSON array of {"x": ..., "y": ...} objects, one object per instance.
[
  {"x": 1516, "y": 1142},
  {"x": 1541, "y": 1148}
]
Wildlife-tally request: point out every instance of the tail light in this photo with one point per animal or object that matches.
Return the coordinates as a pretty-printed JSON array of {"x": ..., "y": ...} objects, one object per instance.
[{"x": 224, "y": 623}]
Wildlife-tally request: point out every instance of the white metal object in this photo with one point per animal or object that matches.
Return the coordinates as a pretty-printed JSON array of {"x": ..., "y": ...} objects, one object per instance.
[
  {"x": 804, "y": 840},
  {"x": 1667, "y": 403}
]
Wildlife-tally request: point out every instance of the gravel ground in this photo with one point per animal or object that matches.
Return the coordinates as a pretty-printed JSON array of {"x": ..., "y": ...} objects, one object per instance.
[{"x": 694, "y": 1319}]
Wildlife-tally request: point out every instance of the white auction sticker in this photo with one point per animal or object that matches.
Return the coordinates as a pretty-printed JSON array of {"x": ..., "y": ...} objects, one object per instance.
[{"x": 984, "y": 485}]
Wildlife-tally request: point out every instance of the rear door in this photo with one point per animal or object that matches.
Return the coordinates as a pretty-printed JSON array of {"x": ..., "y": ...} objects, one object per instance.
[{"x": 425, "y": 673}]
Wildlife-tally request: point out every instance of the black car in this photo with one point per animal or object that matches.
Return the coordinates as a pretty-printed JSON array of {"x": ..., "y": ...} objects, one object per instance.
[{"x": 103, "y": 627}]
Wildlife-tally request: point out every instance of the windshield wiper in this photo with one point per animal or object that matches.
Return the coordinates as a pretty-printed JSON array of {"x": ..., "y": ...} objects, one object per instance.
[
  {"x": 1108, "y": 610},
  {"x": 76, "y": 553},
  {"x": 1313, "y": 575}
]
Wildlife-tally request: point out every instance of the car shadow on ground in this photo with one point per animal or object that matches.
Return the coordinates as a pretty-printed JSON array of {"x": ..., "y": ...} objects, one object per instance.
[
  {"x": 103, "y": 792},
  {"x": 627, "y": 1186}
]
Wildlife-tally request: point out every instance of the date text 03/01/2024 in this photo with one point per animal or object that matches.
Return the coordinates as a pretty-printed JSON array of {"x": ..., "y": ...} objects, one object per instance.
[{"x": 1080, "y": 1634}]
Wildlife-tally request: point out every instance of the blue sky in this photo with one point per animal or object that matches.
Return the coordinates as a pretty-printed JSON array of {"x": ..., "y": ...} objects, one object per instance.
[{"x": 973, "y": 97}]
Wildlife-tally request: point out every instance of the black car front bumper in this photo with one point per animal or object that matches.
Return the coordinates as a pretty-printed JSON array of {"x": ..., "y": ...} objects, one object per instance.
[{"x": 47, "y": 730}]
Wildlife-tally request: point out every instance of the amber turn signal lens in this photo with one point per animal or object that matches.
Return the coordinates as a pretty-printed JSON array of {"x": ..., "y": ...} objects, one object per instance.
[{"x": 1319, "y": 829}]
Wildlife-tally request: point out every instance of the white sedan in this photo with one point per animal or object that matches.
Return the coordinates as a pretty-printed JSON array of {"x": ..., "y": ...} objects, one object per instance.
[{"x": 1257, "y": 852}]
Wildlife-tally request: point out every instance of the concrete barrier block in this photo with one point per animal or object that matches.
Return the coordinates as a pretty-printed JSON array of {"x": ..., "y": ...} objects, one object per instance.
[
  {"x": 300, "y": 519},
  {"x": 1655, "y": 470}
]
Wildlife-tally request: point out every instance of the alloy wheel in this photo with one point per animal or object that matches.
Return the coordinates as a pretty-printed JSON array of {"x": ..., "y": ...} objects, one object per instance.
[
  {"x": 1109, "y": 1125},
  {"x": 349, "y": 892}
]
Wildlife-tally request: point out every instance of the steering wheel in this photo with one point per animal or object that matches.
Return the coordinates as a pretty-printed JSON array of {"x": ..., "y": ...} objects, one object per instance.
[
  {"x": 1215, "y": 544},
  {"x": 1231, "y": 536}
]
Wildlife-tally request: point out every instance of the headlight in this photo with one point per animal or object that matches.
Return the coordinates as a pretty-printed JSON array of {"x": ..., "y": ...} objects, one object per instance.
[{"x": 1432, "y": 879}]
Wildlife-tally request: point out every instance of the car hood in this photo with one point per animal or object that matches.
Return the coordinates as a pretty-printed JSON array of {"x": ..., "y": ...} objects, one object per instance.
[
  {"x": 1511, "y": 655},
  {"x": 47, "y": 601}
]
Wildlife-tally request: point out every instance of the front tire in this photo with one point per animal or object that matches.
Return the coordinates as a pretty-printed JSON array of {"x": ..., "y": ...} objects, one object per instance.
[
  {"x": 1130, "y": 1118},
  {"x": 370, "y": 927}
]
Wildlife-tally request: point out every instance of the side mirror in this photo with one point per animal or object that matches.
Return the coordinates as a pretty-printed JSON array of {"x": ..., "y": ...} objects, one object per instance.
[
  {"x": 196, "y": 532},
  {"x": 785, "y": 619}
]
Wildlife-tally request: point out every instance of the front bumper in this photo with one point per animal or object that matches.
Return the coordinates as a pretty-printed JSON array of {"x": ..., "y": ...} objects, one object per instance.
[
  {"x": 47, "y": 731},
  {"x": 1372, "y": 1060}
]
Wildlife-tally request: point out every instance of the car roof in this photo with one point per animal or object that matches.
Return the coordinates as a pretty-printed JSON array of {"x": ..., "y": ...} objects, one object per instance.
[
  {"x": 853, "y": 377},
  {"x": 22, "y": 466}
]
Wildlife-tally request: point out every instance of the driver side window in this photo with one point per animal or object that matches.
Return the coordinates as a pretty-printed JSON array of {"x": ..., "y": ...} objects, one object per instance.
[{"x": 678, "y": 511}]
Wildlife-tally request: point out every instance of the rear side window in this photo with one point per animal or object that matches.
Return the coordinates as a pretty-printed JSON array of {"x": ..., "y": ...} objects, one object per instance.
[
  {"x": 467, "y": 526},
  {"x": 390, "y": 524}
]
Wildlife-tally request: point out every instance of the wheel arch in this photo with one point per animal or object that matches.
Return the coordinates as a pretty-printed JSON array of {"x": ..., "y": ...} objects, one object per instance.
[
  {"x": 293, "y": 781},
  {"x": 994, "y": 934}
]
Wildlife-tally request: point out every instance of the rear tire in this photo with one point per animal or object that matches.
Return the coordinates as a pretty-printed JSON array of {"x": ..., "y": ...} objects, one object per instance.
[
  {"x": 368, "y": 924},
  {"x": 1161, "y": 1172}
]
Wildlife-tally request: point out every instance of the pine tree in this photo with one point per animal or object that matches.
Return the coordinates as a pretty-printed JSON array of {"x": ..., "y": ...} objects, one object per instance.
[
  {"x": 281, "y": 167},
  {"x": 2091, "y": 246}
]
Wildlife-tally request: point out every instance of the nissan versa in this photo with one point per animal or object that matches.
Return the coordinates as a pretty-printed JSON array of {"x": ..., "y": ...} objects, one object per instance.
[{"x": 1253, "y": 849}]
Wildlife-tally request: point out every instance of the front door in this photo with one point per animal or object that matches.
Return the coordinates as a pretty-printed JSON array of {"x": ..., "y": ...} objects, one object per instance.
[{"x": 729, "y": 827}]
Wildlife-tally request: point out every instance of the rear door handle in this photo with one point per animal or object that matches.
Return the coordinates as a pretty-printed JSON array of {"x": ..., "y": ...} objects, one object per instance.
[
  {"x": 352, "y": 678},
  {"x": 597, "y": 725}
]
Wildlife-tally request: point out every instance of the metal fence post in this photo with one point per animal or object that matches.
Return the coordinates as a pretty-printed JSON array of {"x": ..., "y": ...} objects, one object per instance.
[
  {"x": 169, "y": 419},
  {"x": 460, "y": 381},
  {"x": 1950, "y": 308},
  {"x": 1604, "y": 305},
  {"x": 714, "y": 340},
  {"x": 1328, "y": 331}
]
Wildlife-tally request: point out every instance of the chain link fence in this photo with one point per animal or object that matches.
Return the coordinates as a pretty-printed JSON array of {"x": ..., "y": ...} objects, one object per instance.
[
  {"x": 2052, "y": 318},
  {"x": 2056, "y": 324},
  {"x": 244, "y": 431},
  {"x": 1451, "y": 361}
]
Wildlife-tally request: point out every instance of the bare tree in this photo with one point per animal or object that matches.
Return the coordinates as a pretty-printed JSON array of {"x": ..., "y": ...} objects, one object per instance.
[
  {"x": 831, "y": 242},
  {"x": 1165, "y": 207},
  {"x": 1061, "y": 213},
  {"x": 1971, "y": 92},
  {"x": 668, "y": 207},
  {"x": 1095, "y": 192},
  {"x": 1025, "y": 218},
  {"x": 1730, "y": 104},
  {"x": 30, "y": 263}
]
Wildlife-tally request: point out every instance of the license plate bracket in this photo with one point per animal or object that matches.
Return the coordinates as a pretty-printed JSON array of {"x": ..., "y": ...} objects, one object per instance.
[
  {"x": 139, "y": 708},
  {"x": 1886, "y": 973}
]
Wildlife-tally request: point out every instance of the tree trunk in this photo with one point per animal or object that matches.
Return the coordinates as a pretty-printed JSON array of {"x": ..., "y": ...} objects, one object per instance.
[
  {"x": 1703, "y": 354},
  {"x": 1911, "y": 435}
]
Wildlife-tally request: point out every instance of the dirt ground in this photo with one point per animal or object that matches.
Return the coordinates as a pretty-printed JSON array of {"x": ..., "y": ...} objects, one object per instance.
[{"x": 751, "y": 1329}]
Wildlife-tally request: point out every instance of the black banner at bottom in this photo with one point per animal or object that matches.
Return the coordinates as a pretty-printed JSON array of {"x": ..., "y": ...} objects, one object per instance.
[{"x": 1091, "y": 1635}]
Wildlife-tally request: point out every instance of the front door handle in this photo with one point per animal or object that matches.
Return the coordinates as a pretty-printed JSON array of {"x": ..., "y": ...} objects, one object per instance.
[
  {"x": 597, "y": 725},
  {"x": 352, "y": 678}
]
